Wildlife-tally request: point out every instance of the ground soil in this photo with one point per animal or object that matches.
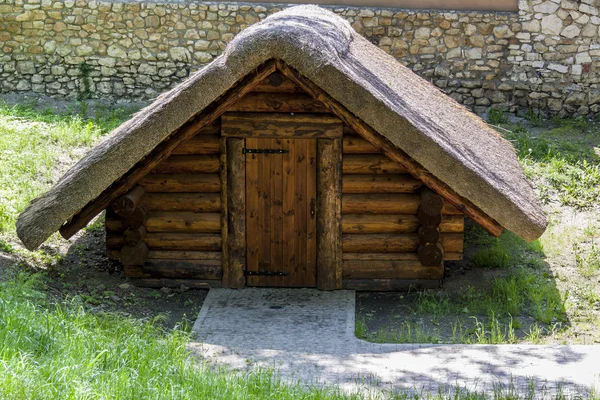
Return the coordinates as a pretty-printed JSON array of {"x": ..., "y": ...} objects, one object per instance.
[{"x": 80, "y": 269}]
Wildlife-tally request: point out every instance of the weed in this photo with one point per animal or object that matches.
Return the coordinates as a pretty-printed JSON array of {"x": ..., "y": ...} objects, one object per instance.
[
  {"x": 6, "y": 247},
  {"x": 360, "y": 329},
  {"x": 496, "y": 116},
  {"x": 535, "y": 117}
]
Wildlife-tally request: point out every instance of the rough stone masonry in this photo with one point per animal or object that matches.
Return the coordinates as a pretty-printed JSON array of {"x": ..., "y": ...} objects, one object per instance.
[{"x": 544, "y": 57}]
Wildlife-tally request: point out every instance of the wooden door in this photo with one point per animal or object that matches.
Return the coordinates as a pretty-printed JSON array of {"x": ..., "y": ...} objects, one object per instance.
[{"x": 281, "y": 228}]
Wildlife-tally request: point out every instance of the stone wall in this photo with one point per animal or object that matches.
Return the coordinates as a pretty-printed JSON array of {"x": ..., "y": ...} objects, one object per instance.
[{"x": 546, "y": 56}]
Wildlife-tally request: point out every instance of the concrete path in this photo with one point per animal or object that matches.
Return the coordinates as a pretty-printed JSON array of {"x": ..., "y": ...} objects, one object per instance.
[{"x": 308, "y": 335}]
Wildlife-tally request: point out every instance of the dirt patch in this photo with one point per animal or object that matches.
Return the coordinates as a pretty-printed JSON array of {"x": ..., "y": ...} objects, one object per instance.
[{"x": 80, "y": 269}]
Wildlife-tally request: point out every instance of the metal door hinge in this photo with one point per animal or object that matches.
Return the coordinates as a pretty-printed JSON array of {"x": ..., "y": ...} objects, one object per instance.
[
  {"x": 264, "y": 151},
  {"x": 265, "y": 273}
]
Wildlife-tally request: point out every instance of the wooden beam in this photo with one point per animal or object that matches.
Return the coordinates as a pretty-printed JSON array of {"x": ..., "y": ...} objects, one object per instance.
[
  {"x": 370, "y": 164},
  {"x": 194, "y": 202},
  {"x": 184, "y": 255},
  {"x": 181, "y": 183},
  {"x": 134, "y": 254},
  {"x": 236, "y": 202},
  {"x": 164, "y": 149},
  {"x": 199, "y": 144},
  {"x": 125, "y": 205},
  {"x": 184, "y": 241},
  {"x": 389, "y": 149},
  {"x": 189, "y": 164},
  {"x": 358, "y": 269},
  {"x": 380, "y": 184},
  {"x": 184, "y": 222},
  {"x": 224, "y": 212},
  {"x": 183, "y": 269},
  {"x": 278, "y": 102},
  {"x": 266, "y": 125},
  {"x": 329, "y": 214}
]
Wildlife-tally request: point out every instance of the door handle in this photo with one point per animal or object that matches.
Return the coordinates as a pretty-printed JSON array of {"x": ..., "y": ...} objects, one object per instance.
[{"x": 312, "y": 208}]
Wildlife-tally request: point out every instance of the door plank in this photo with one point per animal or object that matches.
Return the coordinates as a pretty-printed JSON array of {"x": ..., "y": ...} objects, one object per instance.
[
  {"x": 289, "y": 203},
  {"x": 311, "y": 210},
  {"x": 252, "y": 235},
  {"x": 301, "y": 209},
  {"x": 264, "y": 205},
  {"x": 276, "y": 210}
]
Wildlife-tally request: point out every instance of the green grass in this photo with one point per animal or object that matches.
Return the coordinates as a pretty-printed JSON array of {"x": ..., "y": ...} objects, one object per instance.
[
  {"x": 564, "y": 161},
  {"x": 62, "y": 351},
  {"x": 35, "y": 145}
]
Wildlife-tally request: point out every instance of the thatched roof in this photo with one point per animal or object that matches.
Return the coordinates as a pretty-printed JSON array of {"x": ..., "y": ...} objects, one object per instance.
[{"x": 455, "y": 145}]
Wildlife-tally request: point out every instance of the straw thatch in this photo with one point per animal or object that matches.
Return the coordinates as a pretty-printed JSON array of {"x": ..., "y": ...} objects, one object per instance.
[{"x": 453, "y": 144}]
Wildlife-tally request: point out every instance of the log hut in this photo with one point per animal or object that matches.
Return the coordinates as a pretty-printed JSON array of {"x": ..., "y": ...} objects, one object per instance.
[{"x": 303, "y": 156}]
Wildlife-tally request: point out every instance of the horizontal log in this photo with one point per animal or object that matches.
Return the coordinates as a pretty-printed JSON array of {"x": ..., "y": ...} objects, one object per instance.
[
  {"x": 176, "y": 283},
  {"x": 134, "y": 254},
  {"x": 200, "y": 144},
  {"x": 277, "y": 83},
  {"x": 181, "y": 183},
  {"x": 379, "y": 243},
  {"x": 380, "y": 256},
  {"x": 125, "y": 205},
  {"x": 452, "y": 242},
  {"x": 243, "y": 125},
  {"x": 379, "y": 223},
  {"x": 395, "y": 223},
  {"x": 114, "y": 224},
  {"x": 134, "y": 235},
  {"x": 278, "y": 102},
  {"x": 380, "y": 184},
  {"x": 133, "y": 271},
  {"x": 184, "y": 255},
  {"x": 354, "y": 144},
  {"x": 184, "y": 222},
  {"x": 195, "y": 202},
  {"x": 114, "y": 241},
  {"x": 398, "y": 243},
  {"x": 137, "y": 217},
  {"x": 453, "y": 256},
  {"x": 390, "y": 285},
  {"x": 214, "y": 128},
  {"x": 387, "y": 203},
  {"x": 431, "y": 254},
  {"x": 357, "y": 269},
  {"x": 190, "y": 164},
  {"x": 184, "y": 241},
  {"x": 380, "y": 203},
  {"x": 370, "y": 164},
  {"x": 183, "y": 269}
]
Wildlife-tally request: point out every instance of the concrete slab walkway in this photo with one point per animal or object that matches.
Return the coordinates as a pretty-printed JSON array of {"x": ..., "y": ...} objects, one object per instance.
[{"x": 308, "y": 335}]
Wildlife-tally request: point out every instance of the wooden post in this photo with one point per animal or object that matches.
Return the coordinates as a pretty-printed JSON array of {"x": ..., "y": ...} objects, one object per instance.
[
  {"x": 429, "y": 213},
  {"x": 224, "y": 213},
  {"x": 329, "y": 214},
  {"x": 236, "y": 222}
]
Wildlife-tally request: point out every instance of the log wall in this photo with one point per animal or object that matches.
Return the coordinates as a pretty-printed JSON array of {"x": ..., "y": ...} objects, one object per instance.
[
  {"x": 382, "y": 233},
  {"x": 380, "y": 224},
  {"x": 183, "y": 225}
]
